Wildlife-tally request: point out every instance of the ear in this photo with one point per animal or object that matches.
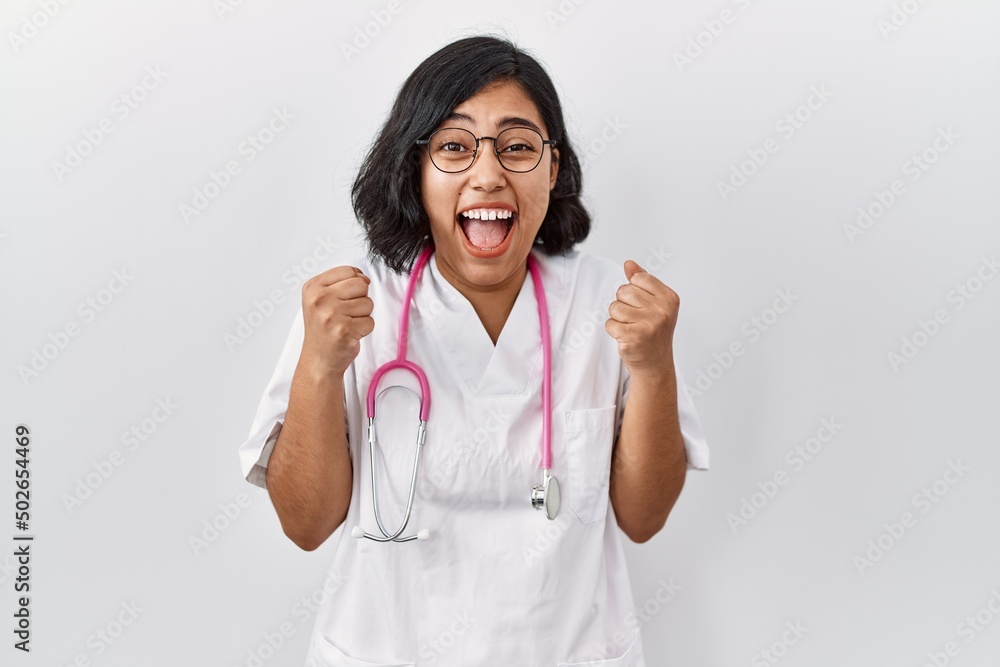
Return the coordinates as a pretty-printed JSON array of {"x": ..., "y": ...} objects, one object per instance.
[{"x": 554, "y": 169}]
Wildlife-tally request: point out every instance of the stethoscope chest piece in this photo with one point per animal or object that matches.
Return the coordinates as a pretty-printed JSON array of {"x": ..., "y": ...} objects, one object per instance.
[{"x": 546, "y": 496}]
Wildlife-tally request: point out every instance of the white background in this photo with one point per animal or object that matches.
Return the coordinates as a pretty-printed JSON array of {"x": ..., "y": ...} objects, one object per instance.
[{"x": 652, "y": 185}]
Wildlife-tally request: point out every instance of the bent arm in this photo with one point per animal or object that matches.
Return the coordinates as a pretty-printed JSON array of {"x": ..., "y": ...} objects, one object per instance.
[
  {"x": 309, "y": 475},
  {"x": 649, "y": 462}
]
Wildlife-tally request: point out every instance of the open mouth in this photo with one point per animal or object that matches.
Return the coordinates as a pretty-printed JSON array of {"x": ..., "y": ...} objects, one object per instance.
[{"x": 487, "y": 229}]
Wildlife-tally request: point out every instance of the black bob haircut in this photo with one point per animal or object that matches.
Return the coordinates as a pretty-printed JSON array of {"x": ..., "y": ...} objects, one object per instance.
[{"x": 386, "y": 193}]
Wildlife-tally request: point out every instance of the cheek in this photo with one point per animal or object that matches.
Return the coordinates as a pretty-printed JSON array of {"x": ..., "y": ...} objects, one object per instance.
[
  {"x": 537, "y": 198},
  {"x": 430, "y": 191},
  {"x": 439, "y": 197},
  {"x": 426, "y": 185}
]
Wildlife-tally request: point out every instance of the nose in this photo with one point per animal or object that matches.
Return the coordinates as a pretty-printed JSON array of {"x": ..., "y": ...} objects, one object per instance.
[{"x": 486, "y": 173}]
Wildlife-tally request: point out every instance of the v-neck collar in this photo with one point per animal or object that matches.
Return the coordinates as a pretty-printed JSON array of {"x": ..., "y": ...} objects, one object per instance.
[{"x": 507, "y": 368}]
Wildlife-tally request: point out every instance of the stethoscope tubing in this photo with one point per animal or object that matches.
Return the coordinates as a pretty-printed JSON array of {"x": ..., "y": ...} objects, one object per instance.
[
  {"x": 543, "y": 319},
  {"x": 401, "y": 362}
]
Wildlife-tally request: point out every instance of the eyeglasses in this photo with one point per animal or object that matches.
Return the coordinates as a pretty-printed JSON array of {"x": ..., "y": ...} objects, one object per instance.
[{"x": 453, "y": 149}]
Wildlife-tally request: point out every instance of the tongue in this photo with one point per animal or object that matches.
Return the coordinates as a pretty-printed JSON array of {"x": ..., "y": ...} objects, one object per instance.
[{"x": 485, "y": 233}]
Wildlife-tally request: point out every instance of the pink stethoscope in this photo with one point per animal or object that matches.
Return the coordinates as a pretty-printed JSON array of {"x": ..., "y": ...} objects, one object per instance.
[{"x": 543, "y": 496}]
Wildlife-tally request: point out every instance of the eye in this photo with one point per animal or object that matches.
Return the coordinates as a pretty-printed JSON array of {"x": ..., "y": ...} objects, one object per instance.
[
  {"x": 452, "y": 146},
  {"x": 518, "y": 148}
]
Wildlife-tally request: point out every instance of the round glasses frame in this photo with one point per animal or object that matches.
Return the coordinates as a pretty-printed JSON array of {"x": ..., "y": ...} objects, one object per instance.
[{"x": 475, "y": 153}]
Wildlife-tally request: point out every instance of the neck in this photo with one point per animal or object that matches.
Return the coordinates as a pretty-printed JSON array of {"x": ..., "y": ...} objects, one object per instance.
[{"x": 492, "y": 303}]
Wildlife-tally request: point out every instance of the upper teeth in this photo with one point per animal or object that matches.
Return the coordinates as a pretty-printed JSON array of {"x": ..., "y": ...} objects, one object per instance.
[{"x": 488, "y": 214}]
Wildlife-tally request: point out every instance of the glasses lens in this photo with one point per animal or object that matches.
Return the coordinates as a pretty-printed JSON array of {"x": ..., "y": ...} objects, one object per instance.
[
  {"x": 520, "y": 148},
  {"x": 452, "y": 149}
]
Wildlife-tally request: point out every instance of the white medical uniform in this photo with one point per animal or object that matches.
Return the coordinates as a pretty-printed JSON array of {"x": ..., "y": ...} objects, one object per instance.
[{"x": 498, "y": 584}]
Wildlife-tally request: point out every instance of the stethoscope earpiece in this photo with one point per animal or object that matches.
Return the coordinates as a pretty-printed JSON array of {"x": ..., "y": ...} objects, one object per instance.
[{"x": 358, "y": 532}]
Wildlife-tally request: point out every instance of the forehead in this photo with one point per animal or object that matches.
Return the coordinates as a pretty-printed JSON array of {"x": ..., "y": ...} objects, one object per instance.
[{"x": 497, "y": 106}]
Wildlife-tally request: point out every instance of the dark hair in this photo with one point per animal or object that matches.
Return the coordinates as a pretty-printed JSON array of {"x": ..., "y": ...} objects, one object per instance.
[{"x": 386, "y": 194}]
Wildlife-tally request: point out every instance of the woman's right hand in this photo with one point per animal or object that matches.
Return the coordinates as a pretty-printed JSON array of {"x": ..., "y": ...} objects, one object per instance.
[{"x": 336, "y": 311}]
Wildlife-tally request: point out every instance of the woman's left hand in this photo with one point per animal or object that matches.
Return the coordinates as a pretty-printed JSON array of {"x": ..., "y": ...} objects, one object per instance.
[{"x": 643, "y": 316}]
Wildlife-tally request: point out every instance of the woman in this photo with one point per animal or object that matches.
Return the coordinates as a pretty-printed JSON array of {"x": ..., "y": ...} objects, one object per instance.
[{"x": 474, "y": 174}]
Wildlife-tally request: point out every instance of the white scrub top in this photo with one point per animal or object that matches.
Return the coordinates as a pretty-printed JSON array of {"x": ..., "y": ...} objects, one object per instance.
[{"x": 497, "y": 583}]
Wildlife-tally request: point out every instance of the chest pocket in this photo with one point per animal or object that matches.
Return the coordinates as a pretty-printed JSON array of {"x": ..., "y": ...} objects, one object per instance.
[{"x": 589, "y": 439}]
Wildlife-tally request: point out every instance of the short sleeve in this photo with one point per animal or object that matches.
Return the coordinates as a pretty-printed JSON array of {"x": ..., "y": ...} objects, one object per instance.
[
  {"x": 695, "y": 447},
  {"x": 269, "y": 418},
  {"x": 255, "y": 452}
]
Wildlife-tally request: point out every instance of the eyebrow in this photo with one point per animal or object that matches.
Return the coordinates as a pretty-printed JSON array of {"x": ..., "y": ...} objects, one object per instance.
[{"x": 506, "y": 121}]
